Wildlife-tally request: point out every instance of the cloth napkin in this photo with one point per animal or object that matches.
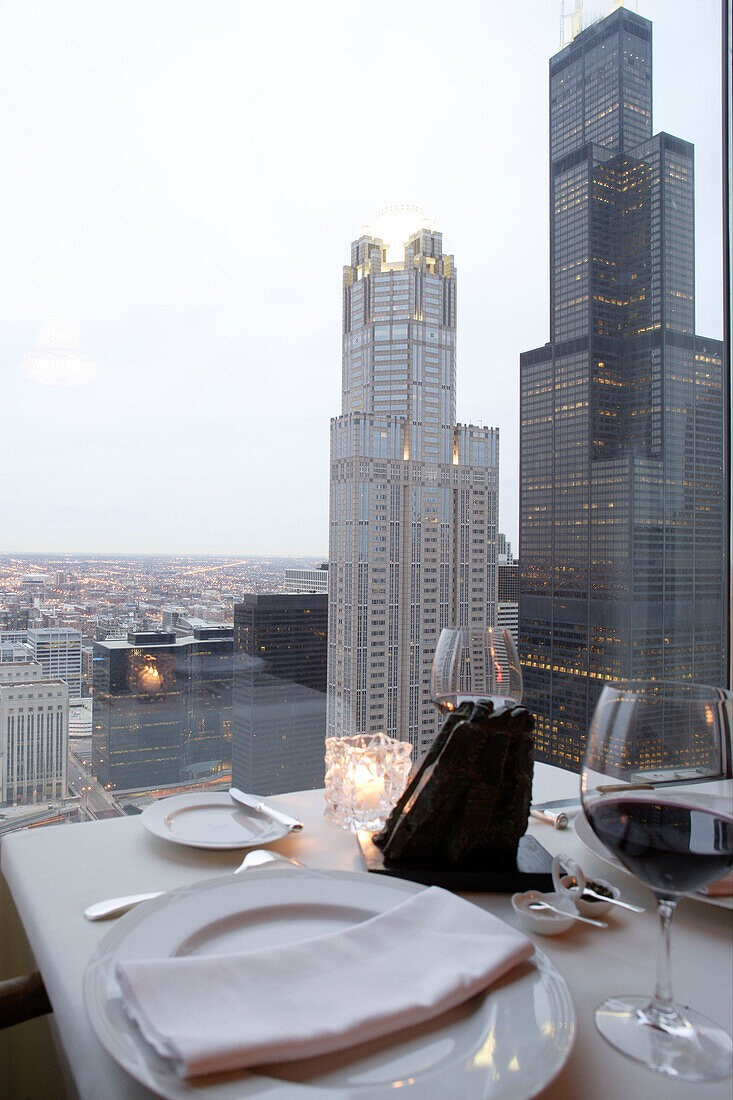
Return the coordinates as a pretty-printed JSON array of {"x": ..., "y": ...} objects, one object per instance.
[{"x": 426, "y": 955}]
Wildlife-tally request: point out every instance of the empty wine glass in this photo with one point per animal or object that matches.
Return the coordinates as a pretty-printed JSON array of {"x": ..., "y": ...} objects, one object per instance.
[
  {"x": 474, "y": 663},
  {"x": 648, "y": 744}
]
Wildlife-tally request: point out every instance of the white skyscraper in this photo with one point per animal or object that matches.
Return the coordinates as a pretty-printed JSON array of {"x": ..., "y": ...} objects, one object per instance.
[
  {"x": 307, "y": 580},
  {"x": 413, "y": 509},
  {"x": 34, "y": 735},
  {"x": 58, "y": 651}
]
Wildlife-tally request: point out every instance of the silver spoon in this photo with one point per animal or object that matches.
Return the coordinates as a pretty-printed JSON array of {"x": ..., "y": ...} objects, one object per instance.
[
  {"x": 115, "y": 907},
  {"x": 566, "y": 913},
  {"x": 611, "y": 901}
]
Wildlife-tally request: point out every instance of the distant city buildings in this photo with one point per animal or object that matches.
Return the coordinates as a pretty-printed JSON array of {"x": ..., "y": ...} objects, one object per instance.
[
  {"x": 14, "y": 652},
  {"x": 169, "y": 617},
  {"x": 180, "y": 738},
  {"x": 413, "y": 511},
  {"x": 13, "y": 619},
  {"x": 621, "y": 495},
  {"x": 279, "y": 719}
]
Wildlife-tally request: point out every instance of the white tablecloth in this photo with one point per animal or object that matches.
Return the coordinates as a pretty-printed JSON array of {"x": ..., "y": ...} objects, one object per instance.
[{"x": 53, "y": 873}]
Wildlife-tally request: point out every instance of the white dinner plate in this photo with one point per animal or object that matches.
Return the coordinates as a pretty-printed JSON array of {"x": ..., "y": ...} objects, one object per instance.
[
  {"x": 508, "y": 1042},
  {"x": 589, "y": 840},
  {"x": 210, "y": 819}
]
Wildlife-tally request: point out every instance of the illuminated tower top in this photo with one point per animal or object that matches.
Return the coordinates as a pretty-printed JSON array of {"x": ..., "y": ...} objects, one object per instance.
[{"x": 399, "y": 330}]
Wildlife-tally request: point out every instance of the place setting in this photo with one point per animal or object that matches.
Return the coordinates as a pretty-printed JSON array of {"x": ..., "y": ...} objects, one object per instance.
[
  {"x": 285, "y": 980},
  {"x": 217, "y": 820},
  {"x": 334, "y": 983}
]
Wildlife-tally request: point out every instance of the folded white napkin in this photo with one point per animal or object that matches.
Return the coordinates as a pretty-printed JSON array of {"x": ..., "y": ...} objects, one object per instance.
[{"x": 211, "y": 1014}]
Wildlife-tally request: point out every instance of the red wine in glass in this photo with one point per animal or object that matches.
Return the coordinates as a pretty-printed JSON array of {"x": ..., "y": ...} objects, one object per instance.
[
  {"x": 674, "y": 838},
  {"x": 672, "y": 843}
]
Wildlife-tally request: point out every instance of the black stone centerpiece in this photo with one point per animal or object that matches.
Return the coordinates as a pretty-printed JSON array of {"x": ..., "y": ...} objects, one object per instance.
[{"x": 467, "y": 805}]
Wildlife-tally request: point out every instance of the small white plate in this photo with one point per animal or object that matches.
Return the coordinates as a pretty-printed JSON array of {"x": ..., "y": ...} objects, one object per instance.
[
  {"x": 210, "y": 819},
  {"x": 589, "y": 840}
]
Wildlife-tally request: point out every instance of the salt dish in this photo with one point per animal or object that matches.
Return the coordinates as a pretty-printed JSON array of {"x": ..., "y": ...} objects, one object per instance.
[
  {"x": 570, "y": 887},
  {"x": 590, "y": 907},
  {"x": 543, "y": 921}
]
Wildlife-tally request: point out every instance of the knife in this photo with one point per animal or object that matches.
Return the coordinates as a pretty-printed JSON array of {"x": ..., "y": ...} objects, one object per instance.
[
  {"x": 255, "y": 803},
  {"x": 574, "y": 803},
  {"x": 556, "y": 804}
]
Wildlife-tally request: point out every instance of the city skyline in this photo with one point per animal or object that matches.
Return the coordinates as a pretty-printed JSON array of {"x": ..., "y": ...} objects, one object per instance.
[{"x": 172, "y": 263}]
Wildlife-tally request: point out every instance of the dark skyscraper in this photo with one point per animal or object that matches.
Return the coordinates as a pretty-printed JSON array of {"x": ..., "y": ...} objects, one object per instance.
[
  {"x": 621, "y": 520},
  {"x": 279, "y": 719}
]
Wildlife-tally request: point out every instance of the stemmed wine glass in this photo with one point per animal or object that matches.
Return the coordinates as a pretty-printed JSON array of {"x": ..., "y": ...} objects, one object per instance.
[
  {"x": 647, "y": 738},
  {"x": 473, "y": 663}
]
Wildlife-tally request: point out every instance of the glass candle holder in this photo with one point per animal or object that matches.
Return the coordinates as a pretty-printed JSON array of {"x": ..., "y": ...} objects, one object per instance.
[{"x": 365, "y": 775}]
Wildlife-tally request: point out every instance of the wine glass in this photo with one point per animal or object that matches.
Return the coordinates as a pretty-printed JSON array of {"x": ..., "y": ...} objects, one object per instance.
[
  {"x": 647, "y": 738},
  {"x": 473, "y": 663}
]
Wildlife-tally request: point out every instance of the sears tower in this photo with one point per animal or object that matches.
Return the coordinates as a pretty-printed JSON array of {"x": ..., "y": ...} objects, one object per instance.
[{"x": 621, "y": 519}]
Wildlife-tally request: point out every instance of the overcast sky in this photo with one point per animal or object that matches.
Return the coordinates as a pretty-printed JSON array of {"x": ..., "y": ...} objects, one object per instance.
[{"x": 182, "y": 180}]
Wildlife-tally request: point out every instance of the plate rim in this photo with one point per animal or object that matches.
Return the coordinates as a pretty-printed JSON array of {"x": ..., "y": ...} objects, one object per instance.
[
  {"x": 104, "y": 956},
  {"x": 149, "y": 819},
  {"x": 584, "y": 830}
]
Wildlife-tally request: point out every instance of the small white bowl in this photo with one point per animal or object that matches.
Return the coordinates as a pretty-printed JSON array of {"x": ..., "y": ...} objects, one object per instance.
[
  {"x": 585, "y": 906},
  {"x": 543, "y": 921}
]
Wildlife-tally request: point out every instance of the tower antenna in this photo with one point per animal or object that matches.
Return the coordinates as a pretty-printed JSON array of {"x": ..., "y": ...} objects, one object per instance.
[{"x": 571, "y": 21}]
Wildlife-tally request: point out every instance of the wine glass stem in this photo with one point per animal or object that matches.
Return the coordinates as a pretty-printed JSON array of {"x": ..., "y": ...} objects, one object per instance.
[{"x": 663, "y": 1005}]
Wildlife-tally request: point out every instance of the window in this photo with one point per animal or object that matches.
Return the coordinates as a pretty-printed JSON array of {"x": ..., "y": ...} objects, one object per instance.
[{"x": 180, "y": 432}]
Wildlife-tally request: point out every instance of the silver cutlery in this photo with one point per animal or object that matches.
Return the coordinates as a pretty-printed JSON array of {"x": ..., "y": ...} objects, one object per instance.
[
  {"x": 558, "y": 819},
  {"x": 255, "y": 803},
  {"x": 260, "y": 857},
  {"x": 115, "y": 907},
  {"x": 566, "y": 913},
  {"x": 557, "y": 804},
  {"x": 588, "y": 892}
]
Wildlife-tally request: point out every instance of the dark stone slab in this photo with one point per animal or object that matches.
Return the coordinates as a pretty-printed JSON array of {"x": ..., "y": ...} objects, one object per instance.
[
  {"x": 533, "y": 870},
  {"x": 467, "y": 806}
]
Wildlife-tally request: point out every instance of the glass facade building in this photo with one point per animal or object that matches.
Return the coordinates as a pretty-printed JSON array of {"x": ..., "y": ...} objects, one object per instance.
[
  {"x": 621, "y": 445},
  {"x": 162, "y": 708},
  {"x": 279, "y": 720}
]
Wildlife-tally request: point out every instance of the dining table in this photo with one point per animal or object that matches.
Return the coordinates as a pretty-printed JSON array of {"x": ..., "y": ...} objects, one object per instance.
[{"x": 50, "y": 874}]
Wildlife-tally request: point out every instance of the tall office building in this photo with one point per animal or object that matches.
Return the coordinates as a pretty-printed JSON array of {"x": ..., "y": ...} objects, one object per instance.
[
  {"x": 34, "y": 734},
  {"x": 207, "y": 745},
  {"x": 279, "y": 718},
  {"x": 413, "y": 509},
  {"x": 621, "y": 459},
  {"x": 58, "y": 651},
  {"x": 507, "y": 588}
]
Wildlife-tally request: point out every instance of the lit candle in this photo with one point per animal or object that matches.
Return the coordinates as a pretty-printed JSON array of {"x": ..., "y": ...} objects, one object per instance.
[{"x": 369, "y": 787}]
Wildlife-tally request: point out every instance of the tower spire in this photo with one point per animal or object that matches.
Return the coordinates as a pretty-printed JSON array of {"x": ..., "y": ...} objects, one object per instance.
[{"x": 571, "y": 21}]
